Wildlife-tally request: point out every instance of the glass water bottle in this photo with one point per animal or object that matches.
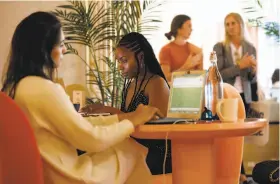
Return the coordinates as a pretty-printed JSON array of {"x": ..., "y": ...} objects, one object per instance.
[{"x": 213, "y": 86}]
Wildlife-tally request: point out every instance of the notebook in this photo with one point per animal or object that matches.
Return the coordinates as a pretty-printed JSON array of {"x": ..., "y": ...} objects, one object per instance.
[{"x": 186, "y": 98}]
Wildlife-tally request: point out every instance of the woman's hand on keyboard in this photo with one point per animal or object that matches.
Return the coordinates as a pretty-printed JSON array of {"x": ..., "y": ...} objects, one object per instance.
[
  {"x": 145, "y": 113},
  {"x": 141, "y": 115},
  {"x": 91, "y": 108}
]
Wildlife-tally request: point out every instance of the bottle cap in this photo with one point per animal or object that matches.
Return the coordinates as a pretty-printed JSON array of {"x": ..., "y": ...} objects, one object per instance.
[{"x": 213, "y": 56}]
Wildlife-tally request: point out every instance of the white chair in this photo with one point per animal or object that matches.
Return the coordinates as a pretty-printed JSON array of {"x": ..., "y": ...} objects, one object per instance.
[
  {"x": 264, "y": 145},
  {"x": 260, "y": 138}
]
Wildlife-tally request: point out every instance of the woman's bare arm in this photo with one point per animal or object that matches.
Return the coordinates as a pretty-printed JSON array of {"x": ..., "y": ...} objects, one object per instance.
[
  {"x": 195, "y": 59},
  {"x": 166, "y": 71},
  {"x": 158, "y": 92},
  {"x": 99, "y": 108}
]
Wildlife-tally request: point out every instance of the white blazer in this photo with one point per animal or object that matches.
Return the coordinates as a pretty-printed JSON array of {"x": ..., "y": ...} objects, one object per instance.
[{"x": 112, "y": 157}]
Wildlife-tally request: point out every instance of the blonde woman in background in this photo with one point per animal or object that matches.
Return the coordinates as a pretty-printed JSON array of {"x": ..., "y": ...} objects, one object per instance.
[
  {"x": 237, "y": 57},
  {"x": 179, "y": 54},
  {"x": 237, "y": 61}
]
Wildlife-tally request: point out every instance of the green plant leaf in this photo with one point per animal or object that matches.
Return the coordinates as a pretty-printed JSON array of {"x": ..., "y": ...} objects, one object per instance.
[{"x": 100, "y": 26}]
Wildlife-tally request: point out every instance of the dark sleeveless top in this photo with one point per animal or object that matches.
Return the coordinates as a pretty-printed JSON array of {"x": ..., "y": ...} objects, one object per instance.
[
  {"x": 156, "y": 148},
  {"x": 139, "y": 99}
]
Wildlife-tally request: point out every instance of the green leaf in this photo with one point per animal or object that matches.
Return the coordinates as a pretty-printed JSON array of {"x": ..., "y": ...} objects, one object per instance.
[{"x": 100, "y": 27}]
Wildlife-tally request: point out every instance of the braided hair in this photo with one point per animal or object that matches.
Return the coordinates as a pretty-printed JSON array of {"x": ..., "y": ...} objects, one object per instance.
[{"x": 138, "y": 44}]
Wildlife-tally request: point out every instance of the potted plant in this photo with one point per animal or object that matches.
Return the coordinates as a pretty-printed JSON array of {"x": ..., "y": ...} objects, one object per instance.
[
  {"x": 253, "y": 10},
  {"x": 99, "y": 26}
]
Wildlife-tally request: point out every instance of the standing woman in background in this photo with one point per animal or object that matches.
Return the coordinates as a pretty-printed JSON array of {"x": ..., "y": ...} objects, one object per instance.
[
  {"x": 237, "y": 57},
  {"x": 180, "y": 55},
  {"x": 236, "y": 61}
]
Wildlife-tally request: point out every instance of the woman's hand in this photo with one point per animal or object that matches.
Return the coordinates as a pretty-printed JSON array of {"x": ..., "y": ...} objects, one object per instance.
[
  {"x": 195, "y": 59},
  {"x": 145, "y": 113},
  {"x": 192, "y": 61},
  {"x": 247, "y": 61},
  {"x": 141, "y": 115},
  {"x": 92, "y": 108}
]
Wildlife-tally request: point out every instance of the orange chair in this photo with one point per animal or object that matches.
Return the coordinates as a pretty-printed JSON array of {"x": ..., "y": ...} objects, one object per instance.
[{"x": 20, "y": 160}]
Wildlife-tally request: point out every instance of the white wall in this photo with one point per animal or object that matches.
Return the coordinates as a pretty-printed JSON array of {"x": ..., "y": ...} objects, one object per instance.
[
  {"x": 207, "y": 20},
  {"x": 11, "y": 13}
]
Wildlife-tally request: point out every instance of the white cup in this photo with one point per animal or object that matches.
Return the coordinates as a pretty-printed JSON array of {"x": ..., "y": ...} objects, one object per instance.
[{"x": 227, "y": 109}]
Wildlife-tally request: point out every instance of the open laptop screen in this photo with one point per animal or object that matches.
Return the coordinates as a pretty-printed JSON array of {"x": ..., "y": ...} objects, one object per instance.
[{"x": 186, "y": 94}]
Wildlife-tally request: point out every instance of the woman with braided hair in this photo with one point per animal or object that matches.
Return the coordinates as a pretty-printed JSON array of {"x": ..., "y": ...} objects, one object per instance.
[{"x": 145, "y": 84}]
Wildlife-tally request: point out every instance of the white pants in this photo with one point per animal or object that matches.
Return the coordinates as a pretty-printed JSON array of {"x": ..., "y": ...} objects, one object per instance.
[{"x": 121, "y": 164}]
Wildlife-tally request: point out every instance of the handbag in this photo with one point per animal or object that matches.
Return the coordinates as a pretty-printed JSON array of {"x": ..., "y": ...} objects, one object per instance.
[{"x": 266, "y": 172}]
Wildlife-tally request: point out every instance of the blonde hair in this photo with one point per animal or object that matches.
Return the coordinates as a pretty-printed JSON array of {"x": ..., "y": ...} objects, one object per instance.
[{"x": 237, "y": 17}]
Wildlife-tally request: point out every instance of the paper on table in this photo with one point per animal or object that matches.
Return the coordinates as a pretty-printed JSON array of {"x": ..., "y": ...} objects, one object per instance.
[{"x": 78, "y": 97}]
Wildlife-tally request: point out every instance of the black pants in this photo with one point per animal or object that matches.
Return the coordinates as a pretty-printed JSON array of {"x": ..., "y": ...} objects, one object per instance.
[
  {"x": 246, "y": 105},
  {"x": 246, "y": 110},
  {"x": 242, "y": 169},
  {"x": 156, "y": 155},
  {"x": 254, "y": 89}
]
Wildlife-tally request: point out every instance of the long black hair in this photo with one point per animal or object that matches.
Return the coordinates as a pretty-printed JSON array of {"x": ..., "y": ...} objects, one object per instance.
[
  {"x": 30, "y": 52},
  {"x": 138, "y": 44}
]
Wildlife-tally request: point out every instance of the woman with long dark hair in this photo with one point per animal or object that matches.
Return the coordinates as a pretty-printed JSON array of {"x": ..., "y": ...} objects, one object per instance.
[
  {"x": 111, "y": 156},
  {"x": 145, "y": 84}
]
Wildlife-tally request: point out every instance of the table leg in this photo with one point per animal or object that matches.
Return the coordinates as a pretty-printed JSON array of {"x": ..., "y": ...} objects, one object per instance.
[
  {"x": 193, "y": 162},
  {"x": 228, "y": 152}
]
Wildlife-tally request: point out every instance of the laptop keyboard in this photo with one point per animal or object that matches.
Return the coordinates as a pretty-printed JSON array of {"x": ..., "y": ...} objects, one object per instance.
[{"x": 170, "y": 121}]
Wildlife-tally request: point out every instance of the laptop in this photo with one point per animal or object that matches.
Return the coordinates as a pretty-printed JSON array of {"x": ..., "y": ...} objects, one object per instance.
[{"x": 186, "y": 98}]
